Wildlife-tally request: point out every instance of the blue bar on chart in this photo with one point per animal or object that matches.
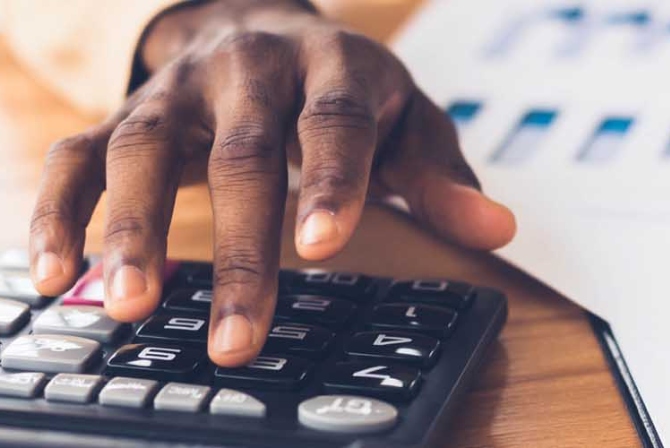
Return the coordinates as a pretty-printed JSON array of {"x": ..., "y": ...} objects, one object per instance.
[
  {"x": 635, "y": 18},
  {"x": 605, "y": 143},
  {"x": 464, "y": 112},
  {"x": 569, "y": 15},
  {"x": 516, "y": 30},
  {"x": 526, "y": 137}
]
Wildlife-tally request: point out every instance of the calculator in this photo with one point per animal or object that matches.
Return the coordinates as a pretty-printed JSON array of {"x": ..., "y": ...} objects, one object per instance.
[{"x": 351, "y": 360}]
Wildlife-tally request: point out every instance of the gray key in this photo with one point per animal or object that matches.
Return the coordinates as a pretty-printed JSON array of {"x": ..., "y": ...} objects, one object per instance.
[
  {"x": 73, "y": 388},
  {"x": 50, "y": 353},
  {"x": 127, "y": 392},
  {"x": 86, "y": 321},
  {"x": 23, "y": 385},
  {"x": 233, "y": 402},
  {"x": 17, "y": 284},
  {"x": 181, "y": 397},
  {"x": 13, "y": 315},
  {"x": 347, "y": 414}
]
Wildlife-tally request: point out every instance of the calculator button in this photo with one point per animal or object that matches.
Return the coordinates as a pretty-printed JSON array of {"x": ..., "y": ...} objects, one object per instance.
[
  {"x": 326, "y": 311},
  {"x": 267, "y": 372},
  {"x": 332, "y": 284},
  {"x": 51, "y": 353},
  {"x": 389, "y": 345},
  {"x": 285, "y": 279},
  {"x": 181, "y": 397},
  {"x": 18, "y": 285},
  {"x": 347, "y": 414},
  {"x": 127, "y": 392},
  {"x": 160, "y": 361},
  {"x": 196, "y": 274},
  {"x": 86, "y": 321},
  {"x": 305, "y": 340},
  {"x": 436, "y": 321},
  {"x": 382, "y": 380},
  {"x": 166, "y": 327},
  {"x": 73, "y": 388},
  {"x": 22, "y": 385},
  {"x": 233, "y": 402},
  {"x": 200, "y": 275},
  {"x": 190, "y": 300},
  {"x": 13, "y": 316},
  {"x": 456, "y": 295},
  {"x": 90, "y": 288}
]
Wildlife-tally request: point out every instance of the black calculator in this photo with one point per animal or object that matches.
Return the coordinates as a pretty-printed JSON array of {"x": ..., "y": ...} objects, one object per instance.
[{"x": 351, "y": 361}]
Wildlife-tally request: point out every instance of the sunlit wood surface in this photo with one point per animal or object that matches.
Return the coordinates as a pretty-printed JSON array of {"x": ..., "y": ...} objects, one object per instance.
[{"x": 545, "y": 384}]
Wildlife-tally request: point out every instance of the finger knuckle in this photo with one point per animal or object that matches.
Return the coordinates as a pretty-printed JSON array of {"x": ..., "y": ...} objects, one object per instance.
[
  {"x": 332, "y": 180},
  {"x": 338, "y": 108},
  {"x": 245, "y": 140},
  {"x": 251, "y": 45},
  {"x": 238, "y": 268},
  {"x": 48, "y": 213},
  {"x": 353, "y": 49},
  {"x": 69, "y": 149},
  {"x": 124, "y": 225},
  {"x": 137, "y": 133},
  {"x": 242, "y": 152}
]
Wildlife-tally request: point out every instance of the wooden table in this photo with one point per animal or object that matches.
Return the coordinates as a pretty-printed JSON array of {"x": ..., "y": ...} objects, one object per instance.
[{"x": 545, "y": 384}]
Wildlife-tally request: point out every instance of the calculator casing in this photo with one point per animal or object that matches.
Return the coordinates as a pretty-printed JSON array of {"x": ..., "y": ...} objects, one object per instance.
[{"x": 423, "y": 421}]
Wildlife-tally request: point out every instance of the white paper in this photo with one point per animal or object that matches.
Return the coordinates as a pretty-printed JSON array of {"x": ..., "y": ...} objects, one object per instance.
[{"x": 597, "y": 229}]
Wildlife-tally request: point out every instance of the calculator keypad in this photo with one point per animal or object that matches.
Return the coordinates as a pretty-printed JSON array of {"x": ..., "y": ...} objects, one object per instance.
[
  {"x": 369, "y": 343},
  {"x": 73, "y": 388},
  {"x": 190, "y": 300},
  {"x": 322, "y": 310},
  {"x": 409, "y": 348},
  {"x": 89, "y": 289},
  {"x": 175, "y": 327},
  {"x": 268, "y": 372},
  {"x": 18, "y": 285},
  {"x": 456, "y": 295},
  {"x": 383, "y": 380},
  {"x": 436, "y": 321},
  {"x": 128, "y": 392},
  {"x": 85, "y": 321},
  {"x": 161, "y": 361},
  {"x": 182, "y": 397},
  {"x": 51, "y": 353},
  {"x": 234, "y": 402},
  {"x": 13, "y": 316},
  {"x": 347, "y": 414},
  {"x": 332, "y": 284},
  {"x": 309, "y": 341},
  {"x": 22, "y": 385}
]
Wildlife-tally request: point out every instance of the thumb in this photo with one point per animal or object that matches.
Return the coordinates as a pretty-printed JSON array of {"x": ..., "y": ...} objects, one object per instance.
[{"x": 424, "y": 165}]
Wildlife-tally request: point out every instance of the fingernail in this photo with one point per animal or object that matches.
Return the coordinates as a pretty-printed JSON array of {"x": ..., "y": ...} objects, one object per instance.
[
  {"x": 234, "y": 333},
  {"x": 128, "y": 283},
  {"x": 48, "y": 265},
  {"x": 320, "y": 226}
]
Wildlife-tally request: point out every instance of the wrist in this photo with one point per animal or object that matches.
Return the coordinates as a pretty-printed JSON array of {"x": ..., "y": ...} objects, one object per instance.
[{"x": 172, "y": 31}]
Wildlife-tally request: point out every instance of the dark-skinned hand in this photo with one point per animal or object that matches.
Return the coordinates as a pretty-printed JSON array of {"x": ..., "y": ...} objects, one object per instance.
[{"x": 243, "y": 87}]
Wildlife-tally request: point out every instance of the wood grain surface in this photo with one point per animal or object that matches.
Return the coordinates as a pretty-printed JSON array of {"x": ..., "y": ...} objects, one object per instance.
[{"x": 545, "y": 383}]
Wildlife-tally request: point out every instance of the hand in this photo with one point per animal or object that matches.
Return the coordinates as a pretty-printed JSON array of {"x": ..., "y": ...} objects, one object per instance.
[{"x": 243, "y": 86}]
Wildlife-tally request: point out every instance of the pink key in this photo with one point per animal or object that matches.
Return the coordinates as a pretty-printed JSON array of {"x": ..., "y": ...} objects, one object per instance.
[{"x": 90, "y": 289}]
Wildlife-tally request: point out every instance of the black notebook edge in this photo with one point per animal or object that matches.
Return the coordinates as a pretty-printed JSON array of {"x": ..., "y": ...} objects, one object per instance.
[{"x": 625, "y": 383}]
